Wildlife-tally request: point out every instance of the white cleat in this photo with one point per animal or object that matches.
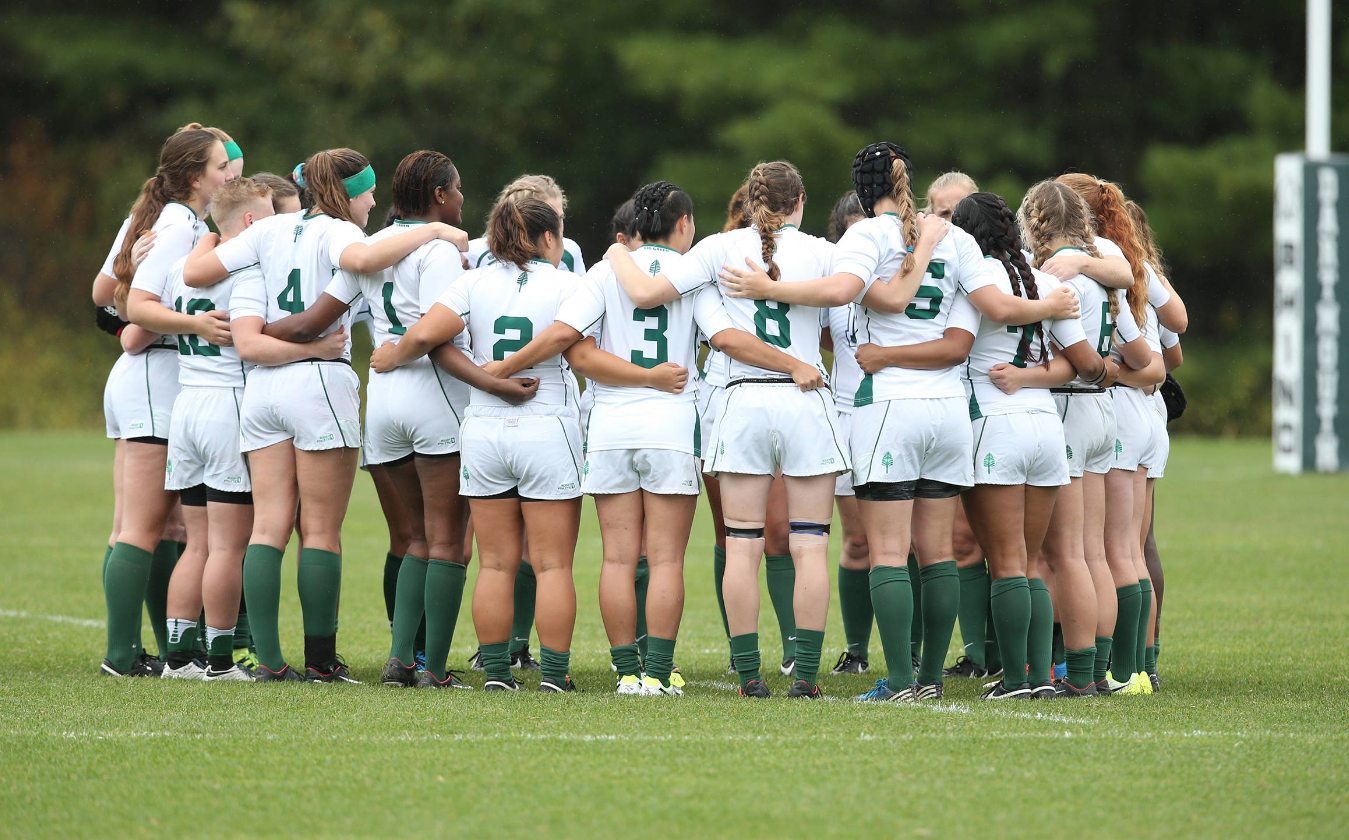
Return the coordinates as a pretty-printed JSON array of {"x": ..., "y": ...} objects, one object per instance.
[
  {"x": 189, "y": 671},
  {"x": 231, "y": 674},
  {"x": 629, "y": 684},
  {"x": 652, "y": 687}
]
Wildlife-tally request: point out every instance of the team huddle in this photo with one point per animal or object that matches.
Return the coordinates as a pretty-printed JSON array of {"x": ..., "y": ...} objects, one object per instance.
[{"x": 990, "y": 432}]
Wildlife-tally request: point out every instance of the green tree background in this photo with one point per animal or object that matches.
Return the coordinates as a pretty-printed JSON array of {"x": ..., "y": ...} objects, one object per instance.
[{"x": 1184, "y": 104}]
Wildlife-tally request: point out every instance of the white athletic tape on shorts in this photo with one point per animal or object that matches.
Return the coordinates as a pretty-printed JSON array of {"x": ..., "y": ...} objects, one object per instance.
[{"x": 59, "y": 619}]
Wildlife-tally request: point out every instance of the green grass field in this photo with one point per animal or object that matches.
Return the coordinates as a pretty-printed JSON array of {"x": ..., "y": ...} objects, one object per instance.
[{"x": 1246, "y": 740}]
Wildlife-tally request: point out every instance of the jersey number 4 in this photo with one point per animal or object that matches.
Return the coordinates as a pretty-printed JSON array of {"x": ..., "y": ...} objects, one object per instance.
[
  {"x": 523, "y": 328},
  {"x": 192, "y": 345},
  {"x": 655, "y": 335},
  {"x": 290, "y": 298}
]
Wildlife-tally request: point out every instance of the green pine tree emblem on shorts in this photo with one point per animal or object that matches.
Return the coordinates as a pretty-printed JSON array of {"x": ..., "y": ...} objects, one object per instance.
[
  {"x": 1070, "y": 452},
  {"x": 521, "y": 280},
  {"x": 465, "y": 473},
  {"x": 887, "y": 461},
  {"x": 585, "y": 468},
  {"x": 655, "y": 268},
  {"x": 1119, "y": 447},
  {"x": 721, "y": 448},
  {"x": 988, "y": 463}
]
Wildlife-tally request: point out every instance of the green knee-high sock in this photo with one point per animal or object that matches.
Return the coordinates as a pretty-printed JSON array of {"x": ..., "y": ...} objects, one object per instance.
[
  {"x": 1060, "y": 654},
  {"x": 525, "y": 587},
  {"x": 243, "y": 634},
  {"x": 124, "y": 590},
  {"x": 444, "y": 595},
  {"x": 393, "y": 565},
  {"x": 781, "y": 585},
  {"x": 625, "y": 660},
  {"x": 1010, "y": 600},
  {"x": 262, "y": 588},
  {"x": 745, "y": 655},
  {"x": 892, "y": 601},
  {"x": 419, "y": 642},
  {"x": 940, "y": 583},
  {"x": 554, "y": 664},
  {"x": 640, "y": 582},
  {"x": 660, "y": 659},
  {"x": 992, "y": 653},
  {"x": 1144, "y": 618},
  {"x": 916, "y": 630},
  {"x": 496, "y": 660},
  {"x": 1154, "y": 652},
  {"x": 718, "y": 572},
  {"x": 809, "y": 646},
  {"x": 157, "y": 591},
  {"x": 1122, "y": 665},
  {"x": 319, "y": 579},
  {"x": 409, "y": 605},
  {"x": 1080, "y": 666},
  {"x": 973, "y": 616},
  {"x": 854, "y": 602},
  {"x": 107, "y": 552},
  {"x": 1040, "y": 634},
  {"x": 1104, "y": 645}
]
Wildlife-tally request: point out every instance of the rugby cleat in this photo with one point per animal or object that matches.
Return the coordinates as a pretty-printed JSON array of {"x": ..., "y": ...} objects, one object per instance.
[
  {"x": 882, "y": 693},
  {"x": 398, "y": 675},
  {"x": 1126, "y": 689},
  {"x": 629, "y": 684},
  {"x": 426, "y": 679},
  {"x": 730, "y": 669},
  {"x": 330, "y": 672},
  {"x": 966, "y": 667},
  {"x": 550, "y": 686},
  {"x": 1066, "y": 690},
  {"x": 930, "y": 691},
  {"x": 652, "y": 687},
  {"x": 849, "y": 664},
  {"x": 475, "y": 661},
  {"x": 190, "y": 670},
  {"x": 1043, "y": 691},
  {"x": 246, "y": 659},
  {"x": 154, "y": 663},
  {"x": 419, "y": 660},
  {"x": 676, "y": 678},
  {"x": 1156, "y": 682},
  {"x": 1061, "y": 671},
  {"x": 499, "y": 684},
  {"x": 234, "y": 673},
  {"x": 286, "y": 674},
  {"x": 998, "y": 691},
  {"x": 1145, "y": 681},
  {"x": 755, "y": 688},
  {"x": 139, "y": 668},
  {"x": 801, "y": 688},
  {"x": 522, "y": 661},
  {"x": 788, "y": 667}
]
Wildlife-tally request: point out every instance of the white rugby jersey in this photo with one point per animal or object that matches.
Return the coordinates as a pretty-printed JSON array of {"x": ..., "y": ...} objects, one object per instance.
[
  {"x": 795, "y": 330},
  {"x": 644, "y": 418},
  {"x": 846, "y": 375},
  {"x": 996, "y": 344},
  {"x": 1095, "y": 323},
  {"x": 504, "y": 306},
  {"x": 398, "y": 296},
  {"x": 200, "y": 363},
  {"x": 874, "y": 249},
  {"x": 116, "y": 247},
  {"x": 298, "y": 253},
  {"x": 178, "y": 230},
  {"x": 716, "y": 368},
  {"x": 479, "y": 256}
]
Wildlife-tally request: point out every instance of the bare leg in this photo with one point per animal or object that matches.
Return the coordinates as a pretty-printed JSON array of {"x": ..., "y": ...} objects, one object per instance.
[
  {"x": 552, "y": 529},
  {"x": 621, "y": 522}
]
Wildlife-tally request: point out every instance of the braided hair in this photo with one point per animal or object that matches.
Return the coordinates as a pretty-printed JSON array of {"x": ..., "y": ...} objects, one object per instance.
[
  {"x": 986, "y": 217},
  {"x": 1051, "y": 210},
  {"x": 772, "y": 191},
  {"x": 657, "y": 208},
  {"x": 883, "y": 170},
  {"x": 1107, "y": 203}
]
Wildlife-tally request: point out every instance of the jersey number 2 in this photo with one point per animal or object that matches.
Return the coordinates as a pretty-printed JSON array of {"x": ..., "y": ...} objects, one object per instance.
[
  {"x": 504, "y": 324},
  {"x": 655, "y": 335}
]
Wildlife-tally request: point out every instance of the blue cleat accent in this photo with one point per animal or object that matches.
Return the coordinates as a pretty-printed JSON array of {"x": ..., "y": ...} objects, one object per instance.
[
  {"x": 1061, "y": 671},
  {"x": 419, "y": 660},
  {"x": 881, "y": 693}
]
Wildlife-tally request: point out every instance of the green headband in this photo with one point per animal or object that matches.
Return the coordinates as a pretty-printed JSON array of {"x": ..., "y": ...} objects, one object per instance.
[
  {"x": 232, "y": 149},
  {"x": 360, "y": 182}
]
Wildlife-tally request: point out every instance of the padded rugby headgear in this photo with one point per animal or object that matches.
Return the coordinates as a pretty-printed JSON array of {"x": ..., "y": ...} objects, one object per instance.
[{"x": 871, "y": 173}]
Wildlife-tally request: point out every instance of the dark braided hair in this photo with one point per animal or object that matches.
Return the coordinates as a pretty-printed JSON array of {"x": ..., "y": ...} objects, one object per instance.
[
  {"x": 657, "y": 208},
  {"x": 623, "y": 221},
  {"x": 987, "y": 218},
  {"x": 883, "y": 170}
]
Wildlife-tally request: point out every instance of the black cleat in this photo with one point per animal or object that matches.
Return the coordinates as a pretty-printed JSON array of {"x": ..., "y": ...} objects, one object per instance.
[
  {"x": 801, "y": 688},
  {"x": 154, "y": 663},
  {"x": 475, "y": 661},
  {"x": 928, "y": 691},
  {"x": 398, "y": 675},
  {"x": 917, "y": 661},
  {"x": 755, "y": 688},
  {"x": 1043, "y": 691},
  {"x": 286, "y": 674},
  {"x": 788, "y": 667},
  {"x": 549, "y": 686},
  {"x": 1156, "y": 682},
  {"x": 498, "y": 684},
  {"x": 522, "y": 661},
  {"x": 730, "y": 669},
  {"x": 330, "y": 672},
  {"x": 1066, "y": 690},
  {"x": 966, "y": 667},
  {"x": 428, "y": 680},
  {"x": 1001, "y": 692},
  {"x": 850, "y": 664},
  {"x": 138, "y": 668}
]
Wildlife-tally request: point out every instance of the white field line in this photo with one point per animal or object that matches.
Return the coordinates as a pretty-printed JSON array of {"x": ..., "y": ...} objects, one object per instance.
[{"x": 59, "y": 619}]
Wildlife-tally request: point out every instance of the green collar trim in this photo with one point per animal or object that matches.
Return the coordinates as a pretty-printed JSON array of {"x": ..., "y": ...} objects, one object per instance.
[
  {"x": 658, "y": 245},
  {"x": 189, "y": 209},
  {"x": 408, "y": 222},
  {"x": 788, "y": 225},
  {"x": 1067, "y": 248},
  {"x": 890, "y": 213}
]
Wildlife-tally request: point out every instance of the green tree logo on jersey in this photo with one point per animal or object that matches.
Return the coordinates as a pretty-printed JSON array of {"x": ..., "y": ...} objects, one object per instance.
[
  {"x": 887, "y": 461},
  {"x": 988, "y": 463},
  {"x": 521, "y": 280},
  {"x": 299, "y": 229},
  {"x": 655, "y": 268},
  {"x": 1070, "y": 452},
  {"x": 1119, "y": 447}
]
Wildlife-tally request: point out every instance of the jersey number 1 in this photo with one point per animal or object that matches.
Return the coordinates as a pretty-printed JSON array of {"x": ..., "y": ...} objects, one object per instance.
[
  {"x": 395, "y": 326},
  {"x": 190, "y": 344}
]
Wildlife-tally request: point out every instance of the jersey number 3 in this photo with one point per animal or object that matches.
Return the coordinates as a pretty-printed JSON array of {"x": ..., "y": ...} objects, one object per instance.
[
  {"x": 506, "y": 323},
  {"x": 655, "y": 335}
]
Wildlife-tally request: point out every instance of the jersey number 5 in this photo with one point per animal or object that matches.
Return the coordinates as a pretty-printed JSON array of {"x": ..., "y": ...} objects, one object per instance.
[
  {"x": 505, "y": 324},
  {"x": 771, "y": 310},
  {"x": 655, "y": 335}
]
